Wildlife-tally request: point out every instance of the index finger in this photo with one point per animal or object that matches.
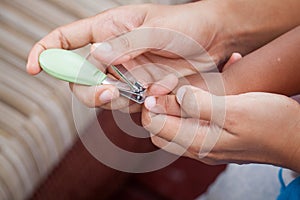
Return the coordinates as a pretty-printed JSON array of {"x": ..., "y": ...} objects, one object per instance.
[
  {"x": 90, "y": 30},
  {"x": 70, "y": 36}
]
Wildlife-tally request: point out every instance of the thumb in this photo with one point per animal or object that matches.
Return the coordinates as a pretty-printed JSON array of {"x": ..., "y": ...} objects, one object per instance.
[
  {"x": 198, "y": 103},
  {"x": 127, "y": 46}
]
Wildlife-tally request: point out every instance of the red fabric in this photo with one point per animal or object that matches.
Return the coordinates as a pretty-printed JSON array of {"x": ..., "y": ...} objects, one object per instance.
[{"x": 81, "y": 177}]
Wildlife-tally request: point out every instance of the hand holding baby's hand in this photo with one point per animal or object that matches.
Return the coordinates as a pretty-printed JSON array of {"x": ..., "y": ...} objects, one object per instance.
[{"x": 224, "y": 129}]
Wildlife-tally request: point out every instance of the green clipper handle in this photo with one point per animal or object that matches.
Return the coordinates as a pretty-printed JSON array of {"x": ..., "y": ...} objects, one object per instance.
[{"x": 69, "y": 66}]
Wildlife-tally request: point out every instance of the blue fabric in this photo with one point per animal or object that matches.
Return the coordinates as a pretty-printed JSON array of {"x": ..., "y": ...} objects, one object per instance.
[{"x": 291, "y": 191}]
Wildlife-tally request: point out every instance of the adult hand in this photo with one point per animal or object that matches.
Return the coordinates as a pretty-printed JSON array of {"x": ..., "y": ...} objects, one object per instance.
[
  {"x": 131, "y": 19},
  {"x": 251, "y": 127},
  {"x": 128, "y": 19},
  {"x": 212, "y": 24}
]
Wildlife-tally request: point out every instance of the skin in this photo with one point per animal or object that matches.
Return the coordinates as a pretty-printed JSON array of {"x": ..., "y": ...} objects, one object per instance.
[
  {"x": 215, "y": 30},
  {"x": 221, "y": 29},
  {"x": 257, "y": 128},
  {"x": 280, "y": 72},
  {"x": 112, "y": 23},
  {"x": 250, "y": 127}
]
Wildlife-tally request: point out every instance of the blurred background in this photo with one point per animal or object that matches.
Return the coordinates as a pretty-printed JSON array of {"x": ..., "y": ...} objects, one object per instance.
[{"x": 41, "y": 156}]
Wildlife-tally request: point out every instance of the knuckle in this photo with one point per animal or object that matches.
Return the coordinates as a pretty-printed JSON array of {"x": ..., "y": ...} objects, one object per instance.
[
  {"x": 167, "y": 103},
  {"x": 209, "y": 162},
  {"x": 194, "y": 149},
  {"x": 235, "y": 114},
  {"x": 211, "y": 159},
  {"x": 145, "y": 119},
  {"x": 125, "y": 42},
  {"x": 231, "y": 121},
  {"x": 64, "y": 42}
]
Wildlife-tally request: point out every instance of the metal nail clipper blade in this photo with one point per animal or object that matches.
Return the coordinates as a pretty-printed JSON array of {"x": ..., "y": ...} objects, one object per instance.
[{"x": 130, "y": 88}]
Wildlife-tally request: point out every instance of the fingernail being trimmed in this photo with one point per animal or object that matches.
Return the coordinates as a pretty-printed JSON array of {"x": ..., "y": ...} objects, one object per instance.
[
  {"x": 150, "y": 102},
  {"x": 180, "y": 94}
]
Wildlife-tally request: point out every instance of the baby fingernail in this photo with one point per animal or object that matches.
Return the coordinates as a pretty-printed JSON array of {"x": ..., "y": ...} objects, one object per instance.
[
  {"x": 180, "y": 94},
  {"x": 150, "y": 102},
  {"x": 106, "y": 96}
]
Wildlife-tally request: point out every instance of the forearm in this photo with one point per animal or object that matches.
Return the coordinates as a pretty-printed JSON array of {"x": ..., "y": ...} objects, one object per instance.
[
  {"x": 272, "y": 68},
  {"x": 248, "y": 25}
]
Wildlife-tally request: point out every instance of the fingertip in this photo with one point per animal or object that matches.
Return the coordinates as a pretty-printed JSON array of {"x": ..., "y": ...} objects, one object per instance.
[
  {"x": 103, "y": 47},
  {"x": 164, "y": 86},
  {"x": 105, "y": 54},
  {"x": 101, "y": 51},
  {"x": 236, "y": 56},
  {"x": 156, "y": 104},
  {"x": 233, "y": 58},
  {"x": 33, "y": 66},
  {"x": 180, "y": 94},
  {"x": 150, "y": 102},
  {"x": 33, "y": 69},
  {"x": 106, "y": 96}
]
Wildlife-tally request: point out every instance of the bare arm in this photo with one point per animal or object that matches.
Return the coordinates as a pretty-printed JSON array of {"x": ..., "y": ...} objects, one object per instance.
[
  {"x": 272, "y": 68},
  {"x": 248, "y": 25}
]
